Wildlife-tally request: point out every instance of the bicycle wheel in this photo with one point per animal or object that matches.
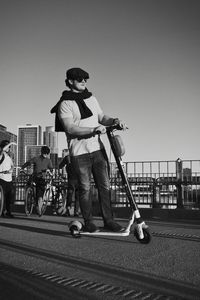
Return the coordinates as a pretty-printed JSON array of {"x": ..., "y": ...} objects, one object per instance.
[
  {"x": 45, "y": 199},
  {"x": 29, "y": 200},
  {"x": 1, "y": 200},
  {"x": 61, "y": 199}
]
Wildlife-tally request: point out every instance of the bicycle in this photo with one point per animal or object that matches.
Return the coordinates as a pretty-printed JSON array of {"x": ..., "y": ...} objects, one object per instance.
[
  {"x": 54, "y": 193},
  {"x": 30, "y": 195}
]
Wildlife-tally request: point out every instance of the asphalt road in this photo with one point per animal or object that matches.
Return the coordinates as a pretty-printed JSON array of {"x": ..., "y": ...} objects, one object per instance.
[{"x": 39, "y": 259}]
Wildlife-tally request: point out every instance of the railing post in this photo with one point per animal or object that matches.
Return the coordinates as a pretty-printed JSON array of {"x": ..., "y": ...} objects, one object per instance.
[
  {"x": 156, "y": 195},
  {"x": 179, "y": 180}
]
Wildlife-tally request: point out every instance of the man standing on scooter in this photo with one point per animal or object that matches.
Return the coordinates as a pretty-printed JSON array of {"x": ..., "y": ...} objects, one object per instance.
[{"x": 79, "y": 115}]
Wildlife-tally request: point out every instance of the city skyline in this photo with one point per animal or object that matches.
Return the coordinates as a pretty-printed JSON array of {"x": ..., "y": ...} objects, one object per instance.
[
  {"x": 27, "y": 135},
  {"x": 142, "y": 57},
  {"x": 28, "y": 142}
]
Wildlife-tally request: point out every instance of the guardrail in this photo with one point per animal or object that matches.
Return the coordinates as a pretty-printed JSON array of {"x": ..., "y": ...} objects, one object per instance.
[
  {"x": 154, "y": 184},
  {"x": 159, "y": 184}
]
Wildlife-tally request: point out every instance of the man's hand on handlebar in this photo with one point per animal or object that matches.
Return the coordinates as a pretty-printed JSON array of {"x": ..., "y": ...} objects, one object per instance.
[
  {"x": 117, "y": 122},
  {"x": 100, "y": 129}
]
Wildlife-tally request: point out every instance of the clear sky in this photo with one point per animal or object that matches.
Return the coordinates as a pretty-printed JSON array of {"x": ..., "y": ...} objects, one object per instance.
[{"x": 143, "y": 57}]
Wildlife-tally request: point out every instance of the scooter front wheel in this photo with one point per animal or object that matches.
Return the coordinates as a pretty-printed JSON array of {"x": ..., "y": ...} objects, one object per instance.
[{"x": 147, "y": 236}]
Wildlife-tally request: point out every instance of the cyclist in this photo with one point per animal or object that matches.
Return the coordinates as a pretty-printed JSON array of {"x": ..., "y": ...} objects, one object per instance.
[
  {"x": 41, "y": 164},
  {"x": 6, "y": 169}
]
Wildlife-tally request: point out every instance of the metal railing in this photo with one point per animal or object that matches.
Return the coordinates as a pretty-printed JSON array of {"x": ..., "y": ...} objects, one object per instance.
[
  {"x": 154, "y": 184},
  {"x": 159, "y": 184}
]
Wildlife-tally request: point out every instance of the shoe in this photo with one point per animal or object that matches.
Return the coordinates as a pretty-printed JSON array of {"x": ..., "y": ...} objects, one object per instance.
[
  {"x": 90, "y": 227},
  {"x": 113, "y": 226},
  {"x": 9, "y": 215}
]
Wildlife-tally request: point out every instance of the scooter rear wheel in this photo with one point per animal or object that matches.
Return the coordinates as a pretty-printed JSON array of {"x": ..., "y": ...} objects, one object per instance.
[
  {"x": 147, "y": 236},
  {"x": 75, "y": 232},
  {"x": 75, "y": 228}
]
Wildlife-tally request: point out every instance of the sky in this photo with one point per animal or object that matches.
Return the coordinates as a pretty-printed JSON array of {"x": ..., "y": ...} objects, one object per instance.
[{"x": 143, "y": 57}]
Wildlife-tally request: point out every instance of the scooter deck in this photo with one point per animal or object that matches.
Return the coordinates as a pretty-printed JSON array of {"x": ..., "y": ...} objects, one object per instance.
[{"x": 104, "y": 232}]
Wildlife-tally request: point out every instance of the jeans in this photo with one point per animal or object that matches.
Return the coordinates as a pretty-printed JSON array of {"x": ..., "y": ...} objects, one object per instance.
[
  {"x": 73, "y": 194},
  {"x": 85, "y": 166},
  {"x": 8, "y": 190},
  {"x": 40, "y": 187}
]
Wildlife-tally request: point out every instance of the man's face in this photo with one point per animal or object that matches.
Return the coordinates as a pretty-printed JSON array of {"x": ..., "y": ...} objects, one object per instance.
[{"x": 78, "y": 85}]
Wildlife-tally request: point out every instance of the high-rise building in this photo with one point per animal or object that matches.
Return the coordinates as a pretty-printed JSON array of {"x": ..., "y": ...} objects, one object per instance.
[
  {"x": 32, "y": 151},
  {"x": 50, "y": 138},
  {"x": 27, "y": 135},
  {"x": 6, "y": 135}
]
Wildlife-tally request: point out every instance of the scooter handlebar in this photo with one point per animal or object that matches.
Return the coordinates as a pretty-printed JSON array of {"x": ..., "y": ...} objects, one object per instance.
[
  {"x": 116, "y": 127},
  {"x": 111, "y": 128}
]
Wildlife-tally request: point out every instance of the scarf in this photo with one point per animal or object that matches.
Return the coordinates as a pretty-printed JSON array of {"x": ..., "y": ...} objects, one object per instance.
[
  {"x": 2, "y": 159},
  {"x": 79, "y": 99}
]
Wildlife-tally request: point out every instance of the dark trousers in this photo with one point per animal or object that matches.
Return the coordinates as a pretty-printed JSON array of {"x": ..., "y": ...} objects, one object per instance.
[
  {"x": 85, "y": 166},
  {"x": 40, "y": 187},
  {"x": 73, "y": 194},
  {"x": 8, "y": 191}
]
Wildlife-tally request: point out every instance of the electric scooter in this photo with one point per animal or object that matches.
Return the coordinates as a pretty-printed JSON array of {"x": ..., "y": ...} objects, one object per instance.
[{"x": 141, "y": 230}]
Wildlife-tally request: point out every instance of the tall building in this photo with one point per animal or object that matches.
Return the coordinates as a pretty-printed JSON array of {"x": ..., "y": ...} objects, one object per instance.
[
  {"x": 32, "y": 151},
  {"x": 6, "y": 135},
  {"x": 50, "y": 138},
  {"x": 27, "y": 135}
]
